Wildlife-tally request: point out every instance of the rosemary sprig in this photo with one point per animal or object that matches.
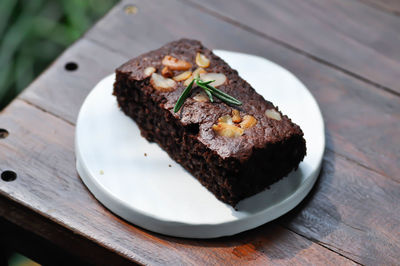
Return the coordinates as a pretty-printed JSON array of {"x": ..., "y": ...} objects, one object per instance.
[
  {"x": 183, "y": 97},
  {"x": 209, "y": 95},
  {"x": 217, "y": 93},
  {"x": 209, "y": 90}
]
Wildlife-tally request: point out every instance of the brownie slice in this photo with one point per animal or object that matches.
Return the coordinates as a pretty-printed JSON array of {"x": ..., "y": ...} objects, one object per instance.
[{"x": 234, "y": 151}]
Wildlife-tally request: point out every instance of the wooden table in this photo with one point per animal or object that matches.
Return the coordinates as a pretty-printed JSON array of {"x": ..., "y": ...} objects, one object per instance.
[{"x": 347, "y": 52}]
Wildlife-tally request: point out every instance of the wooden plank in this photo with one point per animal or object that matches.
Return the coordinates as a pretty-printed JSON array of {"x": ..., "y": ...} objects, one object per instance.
[
  {"x": 62, "y": 92},
  {"x": 44, "y": 162},
  {"x": 40, "y": 150},
  {"x": 357, "y": 115},
  {"x": 358, "y": 219},
  {"x": 392, "y": 6},
  {"x": 348, "y": 34},
  {"x": 352, "y": 211}
]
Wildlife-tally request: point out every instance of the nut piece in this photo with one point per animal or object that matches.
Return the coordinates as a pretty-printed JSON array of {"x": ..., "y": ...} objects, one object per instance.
[
  {"x": 195, "y": 73},
  {"x": 187, "y": 82},
  {"x": 218, "y": 77},
  {"x": 201, "y": 97},
  {"x": 148, "y": 71},
  {"x": 175, "y": 63},
  {"x": 273, "y": 114},
  {"x": 202, "y": 60},
  {"x": 166, "y": 72},
  {"x": 226, "y": 130},
  {"x": 226, "y": 119},
  {"x": 162, "y": 84},
  {"x": 183, "y": 76},
  {"x": 198, "y": 72},
  {"x": 236, "y": 116},
  {"x": 248, "y": 122}
]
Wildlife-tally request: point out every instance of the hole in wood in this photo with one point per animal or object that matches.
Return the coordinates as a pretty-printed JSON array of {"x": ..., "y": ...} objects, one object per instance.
[
  {"x": 71, "y": 66},
  {"x": 3, "y": 133},
  {"x": 130, "y": 9},
  {"x": 8, "y": 176}
]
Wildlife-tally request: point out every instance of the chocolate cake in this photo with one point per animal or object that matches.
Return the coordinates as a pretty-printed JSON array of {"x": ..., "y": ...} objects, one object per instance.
[{"x": 234, "y": 150}]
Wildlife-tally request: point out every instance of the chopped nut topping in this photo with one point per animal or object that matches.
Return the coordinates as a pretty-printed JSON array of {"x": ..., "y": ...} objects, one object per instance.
[
  {"x": 162, "y": 84},
  {"x": 226, "y": 119},
  {"x": 202, "y": 60},
  {"x": 229, "y": 126},
  {"x": 166, "y": 72},
  {"x": 198, "y": 72},
  {"x": 148, "y": 71},
  {"x": 226, "y": 130},
  {"x": 187, "y": 82},
  {"x": 236, "y": 116},
  {"x": 248, "y": 122},
  {"x": 195, "y": 73},
  {"x": 201, "y": 97},
  {"x": 218, "y": 77},
  {"x": 273, "y": 114},
  {"x": 183, "y": 76},
  {"x": 175, "y": 63}
]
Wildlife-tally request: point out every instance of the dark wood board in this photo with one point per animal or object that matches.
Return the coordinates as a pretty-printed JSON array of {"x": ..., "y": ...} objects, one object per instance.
[
  {"x": 351, "y": 216},
  {"x": 40, "y": 150},
  {"x": 350, "y": 35},
  {"x": 353, "y": 212},
  {"x": 340, "y": 96}
]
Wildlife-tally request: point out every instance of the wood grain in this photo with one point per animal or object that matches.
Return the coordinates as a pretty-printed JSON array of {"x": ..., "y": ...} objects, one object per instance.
[
  {"x": 392, "y": 6},
  {"x": 62, "y": 92},
  {"x": 39, "y": 150},
  {"x": 342, "y": 98},
  {"x": 354, "y": 37},
  {"x": 352, "y": 211}
]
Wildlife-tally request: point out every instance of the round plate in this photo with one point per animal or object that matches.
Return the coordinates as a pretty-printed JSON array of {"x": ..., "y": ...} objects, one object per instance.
[{"x": 138, "y": 181}]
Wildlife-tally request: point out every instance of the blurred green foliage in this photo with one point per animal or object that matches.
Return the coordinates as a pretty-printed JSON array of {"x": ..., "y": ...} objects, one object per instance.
[{"x": 34, "y": 32}]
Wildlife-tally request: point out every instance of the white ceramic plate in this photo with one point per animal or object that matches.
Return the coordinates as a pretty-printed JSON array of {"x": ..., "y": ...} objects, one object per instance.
[{"x": 156, "y": 193}]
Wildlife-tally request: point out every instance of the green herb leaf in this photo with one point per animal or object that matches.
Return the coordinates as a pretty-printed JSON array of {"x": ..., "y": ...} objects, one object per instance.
[
  {"x": 223, "y": 96},
  {"x": 183, "y": 97},
  {"x": 209, "y": 90},
  {"x": 209, "y": 95},
  {"x": 200, "y": 82}
]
